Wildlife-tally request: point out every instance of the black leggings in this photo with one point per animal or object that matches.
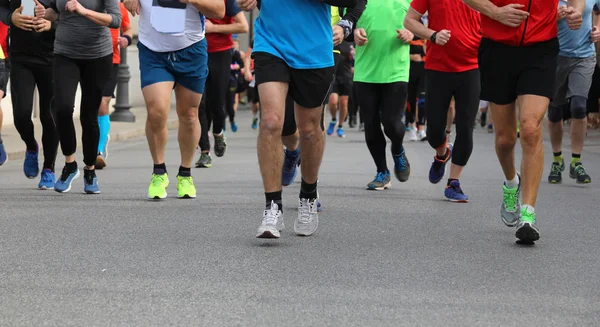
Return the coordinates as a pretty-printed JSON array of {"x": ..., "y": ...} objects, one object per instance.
[
  {"x": 382, "y": 103},
  {"x": 24, "y": 77},
  {"x": 416, "y": 89},
  {"x": 230, "y": 99},
  {"x": 465, "y": 87},
  {"x": 211, "y": 108},
  {"x": 92, "y": 74}
]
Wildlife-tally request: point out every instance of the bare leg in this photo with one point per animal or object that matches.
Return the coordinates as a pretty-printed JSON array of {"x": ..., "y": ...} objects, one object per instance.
[
  {"x": 189, "y": 126},
  {"x": 312, "y": 141},
  {"x": 158, "y": 102},
  {"x": 506, "y": 137}
]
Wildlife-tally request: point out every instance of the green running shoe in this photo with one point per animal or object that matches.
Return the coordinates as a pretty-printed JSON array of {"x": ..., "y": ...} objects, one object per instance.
[
  {"x": 578, "y": 173},
  {"x": 511, "y": 206},
  {"x": 556, "y": 170},
  {"x": 526, "y": 230},
  {"x": 186, "y": 188},
  {"x": 158, "y": 186}
]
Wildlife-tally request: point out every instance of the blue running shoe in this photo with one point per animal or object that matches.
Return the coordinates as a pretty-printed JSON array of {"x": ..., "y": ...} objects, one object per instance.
[
  {"x": 438, "y": 167},
  {"x": 331, "y": 128},
  {"x": 31, "y": 166},
  {"x": 401, "y": 166},
  {"x": 90, "y": 183},
  {"x": 340, "y": 132},
  {"x": 3, "y": 155},
  {"x": 254, "y": 123},
  {"x": 290, "y": 167},
  {"x": 63, "y": 184},
  {"x": 234, "y": 127},
  {"x": 382, "y": 181},
  {"x": 47, "y": 180},
  {"x": 454, "y": 193}
]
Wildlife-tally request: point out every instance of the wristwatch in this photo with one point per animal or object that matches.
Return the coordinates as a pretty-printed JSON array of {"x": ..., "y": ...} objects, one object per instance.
[{"x": 433, "y": 36}]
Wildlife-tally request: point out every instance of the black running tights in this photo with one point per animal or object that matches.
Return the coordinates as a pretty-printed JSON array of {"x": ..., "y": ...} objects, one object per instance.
[
  {"x": 24, "y": 78},
  {"x": 416, "y": 89},
  {"x": 382, "y": 103},
  {"x": 92, "y": 74},
  {"x": 465, "y": 87},
  {"x": 212, "y": 107}
]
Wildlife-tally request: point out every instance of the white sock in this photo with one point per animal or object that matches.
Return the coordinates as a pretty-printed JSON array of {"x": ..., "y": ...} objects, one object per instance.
[
  {"x": 529, "y": 208},
  {"x": 513, "y": 183}
]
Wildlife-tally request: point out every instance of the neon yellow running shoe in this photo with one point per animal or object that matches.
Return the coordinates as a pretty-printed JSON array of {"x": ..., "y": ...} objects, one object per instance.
[
  {"x": 158, "y": 187},
  {"x": 186, "y": 188}
]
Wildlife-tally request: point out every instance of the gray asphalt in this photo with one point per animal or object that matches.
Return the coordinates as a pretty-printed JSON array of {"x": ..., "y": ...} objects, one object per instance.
[{"x": 402, "y": 257}]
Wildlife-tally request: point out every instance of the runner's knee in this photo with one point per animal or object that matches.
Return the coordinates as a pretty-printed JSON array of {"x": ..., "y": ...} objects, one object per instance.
[{"x": 578, "y": 107}]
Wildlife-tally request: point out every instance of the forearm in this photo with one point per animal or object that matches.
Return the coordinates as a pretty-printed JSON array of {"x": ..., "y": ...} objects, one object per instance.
[
  {"x": 101, "y": 18},
  {"x": 485, "y": 7},
  {"x": 235, "y": 28},
  {"x": 128, "y": 31},
  {"x": 413, "y": 24},
  {"x": 577, "y": 4},
  {"x": 211, "y": 8},
  {"x": 341, "y": 3},
  {"x": 353, "y": 14}
]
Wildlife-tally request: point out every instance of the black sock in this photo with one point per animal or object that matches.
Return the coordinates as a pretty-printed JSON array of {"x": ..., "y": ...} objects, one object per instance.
[
  {"x": 445, "y": 156},
  {"x": 71, "y": 166},
  {"x": 308, "y": 191},
  {"x": 576, "y": 156},
  {"x": 450, "y": 180},
  {"x": 89, "y": 173},
  {"x": 557, "y": 154},
  {"x": 160, "y": 169},
  {"x": 273, "y": 197},
  {"x": 185, "y": 172}
]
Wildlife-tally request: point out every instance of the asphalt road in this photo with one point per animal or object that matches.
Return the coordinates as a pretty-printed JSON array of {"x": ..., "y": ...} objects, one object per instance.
[{"x": 402, "y": 257}]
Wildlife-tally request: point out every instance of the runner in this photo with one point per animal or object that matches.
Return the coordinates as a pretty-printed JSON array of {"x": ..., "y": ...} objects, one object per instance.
[
  {"x": 31, "y": 67},
  {"x": 236, "y": 87},
  {"x": 452, "y": 71},
  {"x": 212, "y": 108},
  {"x": 121, "y": 39},
  {"x": 282, "y": 65},
  {"x": 416, "y": 91},
  {"x": 381, "y": 84},
  {"x": 168, "y": 61},
  {"x": 575, "y": 68},
  {"x": 3, "y": 80},
  {"x": 252, "y": 91},
  {"x": 342, "y": 86},
  {"x": 483, "y": 107},
  {"x": 82, "y": 55},
  {"x": 517, "y": 58}
]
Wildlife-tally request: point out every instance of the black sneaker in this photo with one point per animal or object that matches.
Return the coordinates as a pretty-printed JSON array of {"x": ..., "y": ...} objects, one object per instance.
[
  {"x": 555, "y": 176},
  {"x": 220, "y": 145},
  {"x": 483, "y": 119},
  {"x": 578, "y": 173}
]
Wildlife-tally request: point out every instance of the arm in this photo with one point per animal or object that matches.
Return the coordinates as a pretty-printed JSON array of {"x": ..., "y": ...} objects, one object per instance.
[
  {"x": 111, "y": 19},
  {"x": 348, "y": 22},
  {"x": 485, "y": 7},
  {"x": 239, "y": 25},
  {"x": 412, "y": 22},
  {"x": 577, "y": 4},
  {"x": 210, "y": 8}
]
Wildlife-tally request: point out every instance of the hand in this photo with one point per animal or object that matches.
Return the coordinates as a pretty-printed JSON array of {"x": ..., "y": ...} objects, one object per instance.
[
  {"x": 573, "y": 17},
  {"x": 561, "y": 12},
  {"x": 133, "y": 6},
  {"x": 360, "y": 36},
  {"x": 442, "y": 37},
  {"x": 511, "y": 15},
  {"x": 595, "y": 34},
  {"x": 247, "y": 5},
  {"x": 42, "y": 25},
  {"x": 75, "y": 7},
  {"x": 208, "y": 26},
  {"x": 123, "y": 42},
  {"x": 338, "y": 34},
  {"x": 248, "y": 76},
  {"x": 405, "y": 35},
  {"x": 21, "y": 21},
  {"x": 40, "y": 11}
]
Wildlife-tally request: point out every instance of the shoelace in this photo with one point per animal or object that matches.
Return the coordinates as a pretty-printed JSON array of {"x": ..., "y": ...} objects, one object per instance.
[
  {"x": 401, "y": 161},
  {"x": 157, "y": 180},
  {"x": 89, "y": 179},
  {"x": 65, "y": 174},
  {"x": 510, "y": 200},
  {"x": 271, "y": 216},
  {"x": 456, "y": 187},
  {"x": 380, "y": 177},
  {"x": 290, "y": 161},
  {"x": 186, "y": 181},
  {"x": 579, "y": 170},
  {"x": 306, "y": 209},
  {"x": 46, "y": 177},
  {"x": 30, "y": 155},
  {"x": 555, "y": 168}
]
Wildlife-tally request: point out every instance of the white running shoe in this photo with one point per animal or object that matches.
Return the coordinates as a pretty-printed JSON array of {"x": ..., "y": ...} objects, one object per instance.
[
  {"x": 308, "y": 217},
  {"x": 421, "y": 135},
  {"x": 272, "y": 223},
  {"x": 412, "y": 135}
]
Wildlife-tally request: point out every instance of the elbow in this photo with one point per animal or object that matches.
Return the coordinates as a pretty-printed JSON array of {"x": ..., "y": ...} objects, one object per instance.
[
  {"x": 115, "y": 21},
  {"x": 218, "y": 12},
  {"x": 244, "y": 28}
]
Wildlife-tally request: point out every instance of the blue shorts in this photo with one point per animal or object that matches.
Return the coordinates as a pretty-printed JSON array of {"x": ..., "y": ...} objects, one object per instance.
[{"x": 187, "y": 67}]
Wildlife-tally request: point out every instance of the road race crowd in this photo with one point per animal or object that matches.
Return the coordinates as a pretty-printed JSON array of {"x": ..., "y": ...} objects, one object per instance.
[{"x": 390, "y": 67}]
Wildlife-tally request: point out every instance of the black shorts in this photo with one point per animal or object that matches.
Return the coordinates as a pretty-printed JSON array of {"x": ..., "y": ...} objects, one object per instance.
[
  {"x": 253, "y": 94},
  {"x": 342, "y": 85},
  {"x": 308, "y": 87},
  {"x": 111, "y": 84},
  {"x": 509, "y": 71},
  {"x": 4, "y": 74}
]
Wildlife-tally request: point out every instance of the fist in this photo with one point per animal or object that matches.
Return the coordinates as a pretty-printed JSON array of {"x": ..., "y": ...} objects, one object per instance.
[
  {"x": 75, "y": 7},
  {"x": 123, "y": 43},
  {"x": 338, "y": 34},
  {"x": 360, "y": 36},
  {"x": 247, "y": 5},
  {"x": 442, "y": 37},
  {"x": 595, "y": 36},
  {"x": 573, "y": 17},
  {"x": 405, "y": 35}
]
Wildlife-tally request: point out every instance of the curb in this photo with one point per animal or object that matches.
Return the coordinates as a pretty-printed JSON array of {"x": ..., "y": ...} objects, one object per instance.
[{"x": 114, "y": 137}]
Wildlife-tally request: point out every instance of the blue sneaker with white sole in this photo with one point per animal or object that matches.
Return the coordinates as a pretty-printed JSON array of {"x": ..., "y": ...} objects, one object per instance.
[
  {"x": 438, "y": 167},
  {"x": 331, "y": 128},
  {"x": 454, "y": 193},
  {"x": 31, "y": 166},
  {"x": 90, "y": 183},
  {"x": 290, "y": 166},
  {"x": 47, "y": 180},
  {"x": 63, "y": 184}
]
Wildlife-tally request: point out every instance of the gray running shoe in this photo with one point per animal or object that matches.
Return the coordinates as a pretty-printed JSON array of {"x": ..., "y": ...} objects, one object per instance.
[
  {"x": 381, "y": 182},
  {"x": 205, "y": 161},
  {"x": 556, "y": 170},
  {"x": 220, "y": 145},
  {"x": 308, "y": 217},
  {"x": 578, "y": 173},
  {"x": 510, "y": 211},
  {"x": 272, "y": 223}
]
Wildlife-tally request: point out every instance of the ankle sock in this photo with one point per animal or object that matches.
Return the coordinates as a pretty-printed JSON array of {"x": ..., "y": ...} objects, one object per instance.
[
  {"x": 308, "y": 191},
  {"x": 513, "y": 183},
  {"x": 273, "y": 197},
  {"x": 185, "y": 172},
  {"x": 450, "y": 180},
  {"x": 160, "y": 169},
  {"x": 89, "y": 172},
  {"x": 575, "y": 158},
  {"x": 558, "y": 157},
  {"x": 71, "y": 166},
  {"x": 445, "y": 156},
  {"x": 528, "y": 208}
]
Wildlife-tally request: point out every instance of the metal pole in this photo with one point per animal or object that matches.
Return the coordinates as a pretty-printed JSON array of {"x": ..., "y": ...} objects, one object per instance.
[{"x": 122, "y": 105}]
